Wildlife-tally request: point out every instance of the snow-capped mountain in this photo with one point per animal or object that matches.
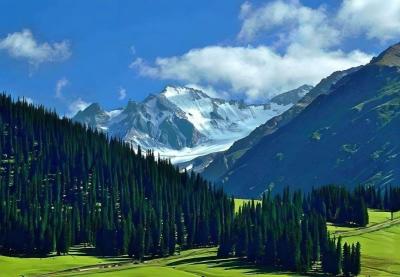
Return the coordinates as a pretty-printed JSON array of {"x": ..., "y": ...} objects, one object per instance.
[{"x": 181, "y": 123}]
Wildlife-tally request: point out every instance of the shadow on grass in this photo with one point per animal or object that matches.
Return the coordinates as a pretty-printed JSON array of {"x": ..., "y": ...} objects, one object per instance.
[
  {"x": 74, "y": 252},
  {"x": 238, "y": 264},
  {"x": 91, "y": 251}
]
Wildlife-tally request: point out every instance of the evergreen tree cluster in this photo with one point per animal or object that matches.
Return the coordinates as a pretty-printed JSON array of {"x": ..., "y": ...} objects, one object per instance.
[
  {"x": 339, "y": 205},
  {"x": 339, "y": 259},
  {"x": 287, "y": 232},
  {"x": 277, "y": 232},
  {"x": 62, "y": 184},
  {"x": 386, "y": 198}
]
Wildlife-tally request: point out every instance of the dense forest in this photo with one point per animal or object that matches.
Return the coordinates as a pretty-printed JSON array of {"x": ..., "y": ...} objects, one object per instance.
[
  {"x": 61, "y": 184},
  {"x": 338, "y": 205},
  {"x": 289, "y": 232}
]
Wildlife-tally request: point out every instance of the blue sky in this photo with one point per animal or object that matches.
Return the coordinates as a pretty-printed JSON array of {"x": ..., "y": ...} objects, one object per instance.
[{"x": 66, "y": 54}]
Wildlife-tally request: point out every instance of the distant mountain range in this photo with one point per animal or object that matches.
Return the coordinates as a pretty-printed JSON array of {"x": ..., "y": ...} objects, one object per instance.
[
  {"x": 345, "y": 131},
  {"x": 183, "y": 123}
]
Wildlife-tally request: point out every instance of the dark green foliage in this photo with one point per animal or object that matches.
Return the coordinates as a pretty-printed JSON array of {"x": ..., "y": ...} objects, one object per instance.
[
  {"x": 386, "y": 198},
  {"x": 277, "y": 232},
  {"x": 337, "y": 259},
  {"x": 347, "y": 259},
  {"x": 288, "y": 231},
  {"x": 339, "y": 205},
  {"x": 331, "y": 257},
  {"x": 351, "y": 259},
  {"x": 63, "y": 184},
  {"x": 356, "y": 259}
]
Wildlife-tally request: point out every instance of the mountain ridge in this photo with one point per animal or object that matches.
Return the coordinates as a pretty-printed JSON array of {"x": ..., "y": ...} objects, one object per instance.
[
  {"x": 223, "y": 161},
  {"x": 347, "y": 137},
  {"x": 181, "y": 123}
]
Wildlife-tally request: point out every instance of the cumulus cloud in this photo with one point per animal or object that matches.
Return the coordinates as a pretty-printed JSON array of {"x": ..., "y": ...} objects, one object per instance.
[
  {"x": 60, "y": 86},
  {"x": 298, "y": 24},
  {"x": 376, "y": 18},
  {"x": 209, "y": 90},
  {"x": 256, "y": 72},
  {"x": 121, "y": 93},
  {"x": 306, "y": 48},
  {"x": 76, "y": 106},
  {"x": 23, "y": 45}
]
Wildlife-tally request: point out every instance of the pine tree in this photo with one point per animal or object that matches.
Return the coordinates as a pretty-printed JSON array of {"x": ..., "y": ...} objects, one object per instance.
[
  {"x": 356, "y": 259},
  {"x": 347, "y": 260}
]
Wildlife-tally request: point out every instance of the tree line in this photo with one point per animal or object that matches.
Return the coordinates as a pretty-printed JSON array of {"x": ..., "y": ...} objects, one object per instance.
[
  {"x": 339, "y": 205},
  {"x": 381, "y": 198}
]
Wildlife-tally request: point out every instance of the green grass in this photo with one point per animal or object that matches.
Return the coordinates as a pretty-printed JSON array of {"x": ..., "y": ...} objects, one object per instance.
[
  {"x": 375, "y": 217},
  {"x": 195, "y": 262},
  {"x": 198, "y": 262},
  {"x": 380, "y": 255},
  {"x": 14, "y": 266}
]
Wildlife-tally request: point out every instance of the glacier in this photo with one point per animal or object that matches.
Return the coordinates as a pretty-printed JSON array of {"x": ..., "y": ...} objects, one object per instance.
[{"x": 182, "y": 123}]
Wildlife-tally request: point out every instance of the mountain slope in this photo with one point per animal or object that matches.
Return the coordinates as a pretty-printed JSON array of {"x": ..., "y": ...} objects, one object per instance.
[
  {"x": 350, "y": 136},
  {"x": 183, "y": 123},
  {"x": 223, "y": 161},
  {"x": 62, "y": 184}
]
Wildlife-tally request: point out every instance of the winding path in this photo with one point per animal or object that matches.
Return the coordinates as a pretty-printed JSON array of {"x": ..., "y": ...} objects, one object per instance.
[{"x": 368, "y": 229}]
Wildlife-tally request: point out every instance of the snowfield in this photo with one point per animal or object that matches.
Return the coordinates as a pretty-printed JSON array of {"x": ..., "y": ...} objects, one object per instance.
[{"x": 181, "y": 123}]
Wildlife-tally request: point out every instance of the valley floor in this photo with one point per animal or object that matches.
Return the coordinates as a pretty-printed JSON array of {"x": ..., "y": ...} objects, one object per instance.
[{"x": 380, "y": 242}]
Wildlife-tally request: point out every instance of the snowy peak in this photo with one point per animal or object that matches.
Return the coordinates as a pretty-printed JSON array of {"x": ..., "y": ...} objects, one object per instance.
[
  {"x": 172, "y": 92},
  {"x": 181, "y": 123},
  {"x": 93, "y": 116}
]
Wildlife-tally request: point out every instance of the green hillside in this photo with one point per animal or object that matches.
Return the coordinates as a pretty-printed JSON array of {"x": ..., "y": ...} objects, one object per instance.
[
  {"x": 348, "y": 137},
  {"x": 222, "y": 162}
]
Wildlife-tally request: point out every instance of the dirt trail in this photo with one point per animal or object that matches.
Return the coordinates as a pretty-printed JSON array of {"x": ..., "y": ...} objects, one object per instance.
[{"x": 369, "y": 229}]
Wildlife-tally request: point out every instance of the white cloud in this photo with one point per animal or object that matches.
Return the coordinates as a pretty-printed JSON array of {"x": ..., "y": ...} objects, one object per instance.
[
  {"x": 121, "y": 93},
  {"x": 297, "y": 24},
  {"x": 245, "y": 9},
  {"x": 308, "y": 51},
  {"x": 22, "y": 45},
  {"x": 76, "y": 106},
  {"x": 59, "y": 87},
  {"x": 376, "y": 18},
  {"x": 210, "y": 90},
  {"x": 256, "y": 72}
]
